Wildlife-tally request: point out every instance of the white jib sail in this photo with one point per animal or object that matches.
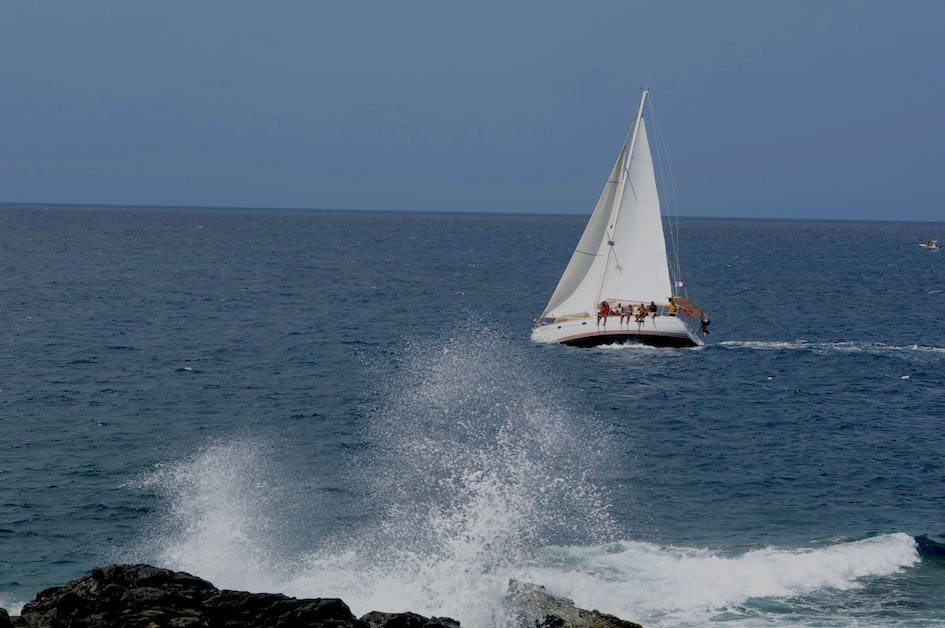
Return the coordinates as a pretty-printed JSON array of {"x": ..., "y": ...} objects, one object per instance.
[
  {"x": 577, "y": 288},
  {"x": 635, "y": 268}
]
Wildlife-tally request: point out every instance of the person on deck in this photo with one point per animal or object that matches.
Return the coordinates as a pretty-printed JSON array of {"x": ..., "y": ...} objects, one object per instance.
[
  {"x": 623, "y": 312},
  {"x": 603, "y": 312},
  {"x": 641, "y": 313},
  {"x": 672, "y": 308},
  {"x": 653, "y": 309},
  {"x": 704, "y": 321}
]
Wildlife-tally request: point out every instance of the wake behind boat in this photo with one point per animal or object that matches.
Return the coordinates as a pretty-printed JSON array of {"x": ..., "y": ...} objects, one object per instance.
[{"x": 620, "y": 264}]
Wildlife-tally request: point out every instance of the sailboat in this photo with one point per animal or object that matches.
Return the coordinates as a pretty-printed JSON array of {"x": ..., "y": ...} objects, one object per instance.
[{"x": 621, "y": 262}]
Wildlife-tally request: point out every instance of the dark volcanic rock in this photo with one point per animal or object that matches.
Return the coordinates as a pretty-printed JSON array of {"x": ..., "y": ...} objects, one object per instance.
[
  {"x": 377, "y": 619},
  {"x": 271, "y": 609},
  {"x": 142, "y": 596},
  {"x": 536, "y": 607}
]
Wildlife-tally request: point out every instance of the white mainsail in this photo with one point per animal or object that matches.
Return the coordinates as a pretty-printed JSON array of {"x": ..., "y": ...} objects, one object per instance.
[
  {"x": 622, "y": 254},
  {"x": 637, "y": 268}
]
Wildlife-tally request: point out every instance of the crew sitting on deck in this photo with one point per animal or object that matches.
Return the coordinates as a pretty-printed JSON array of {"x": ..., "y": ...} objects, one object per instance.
[
  {"x": 603, "y": 312},
  {"x": 628, "y": 312},
  {"x": 641, "y": 313},
  {"x": 623, "y": 312},
  {"x": 672, "y": 308},
  {"x": 653, "y": 309}
]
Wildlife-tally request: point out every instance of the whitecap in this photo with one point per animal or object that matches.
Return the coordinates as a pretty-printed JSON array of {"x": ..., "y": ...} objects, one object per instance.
[{"x": 674, "y": 586}]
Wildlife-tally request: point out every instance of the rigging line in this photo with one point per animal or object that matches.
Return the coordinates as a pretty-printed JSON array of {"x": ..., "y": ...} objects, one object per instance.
[
  {"x": 659, "y": 168},
  {"x": 675, "y": 201},
  {"x": 675, "y": 196},
  {"x": 674, "y": 267}
]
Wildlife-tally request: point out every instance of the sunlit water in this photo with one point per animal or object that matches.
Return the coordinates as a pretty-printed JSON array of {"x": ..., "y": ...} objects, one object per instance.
[{"x": 348, "y": 404}]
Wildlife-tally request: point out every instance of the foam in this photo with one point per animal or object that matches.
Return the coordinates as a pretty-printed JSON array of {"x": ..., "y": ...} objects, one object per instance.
[
  {"x": 674, "y": 586},
  {"x": 14, "y": 608},
  {"x": 629, "y": 346},
  {"x": 875, "y": 348}
]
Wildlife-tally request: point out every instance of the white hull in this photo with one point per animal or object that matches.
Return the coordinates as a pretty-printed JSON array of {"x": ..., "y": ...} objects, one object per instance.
[{"x": 662, "y": 331}]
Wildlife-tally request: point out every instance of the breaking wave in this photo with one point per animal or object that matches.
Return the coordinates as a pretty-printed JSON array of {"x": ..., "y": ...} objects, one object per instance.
[{"x": 673, "y": 586}]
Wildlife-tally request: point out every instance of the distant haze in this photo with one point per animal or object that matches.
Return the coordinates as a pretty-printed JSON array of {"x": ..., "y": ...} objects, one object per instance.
[{"x": 768, "y": 109}]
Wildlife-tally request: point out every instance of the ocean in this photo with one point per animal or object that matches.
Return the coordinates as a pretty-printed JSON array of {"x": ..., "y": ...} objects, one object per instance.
[{"x": 348, "y": 404}]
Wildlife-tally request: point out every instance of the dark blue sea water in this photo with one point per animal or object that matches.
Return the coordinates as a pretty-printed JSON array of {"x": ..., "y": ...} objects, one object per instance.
[{"x": 348, "y": 404}]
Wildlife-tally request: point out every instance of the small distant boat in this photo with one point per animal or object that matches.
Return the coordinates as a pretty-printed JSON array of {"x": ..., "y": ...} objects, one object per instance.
[
  {"x": 621, "y": 262},
  {"x": 931, "y": 244}
]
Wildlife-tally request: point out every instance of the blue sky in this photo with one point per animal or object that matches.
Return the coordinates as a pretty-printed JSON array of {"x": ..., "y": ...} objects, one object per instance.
[{"x": 769, "y": 109}]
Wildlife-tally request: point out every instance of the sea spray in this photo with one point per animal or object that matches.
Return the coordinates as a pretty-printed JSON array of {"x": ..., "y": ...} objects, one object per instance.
[
  {"x": 474, "y": 471},
  {"x": 13, "y": 607},
  {"x": 471, "y": 464},
  {"x": 477, "y": 464},
  {"x": 466, "y": 423},
  {"x": 218, "y": 521}
]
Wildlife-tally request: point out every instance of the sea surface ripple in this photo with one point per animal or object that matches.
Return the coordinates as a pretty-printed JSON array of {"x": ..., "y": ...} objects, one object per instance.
[{"x": 348, "y": 404}]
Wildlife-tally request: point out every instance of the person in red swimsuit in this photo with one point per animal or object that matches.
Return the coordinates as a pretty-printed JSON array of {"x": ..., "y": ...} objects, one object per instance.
[{"x": 603, "y": 312}]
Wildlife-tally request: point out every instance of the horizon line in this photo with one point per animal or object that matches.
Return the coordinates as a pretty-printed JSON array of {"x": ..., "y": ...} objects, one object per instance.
[{"x": 8, "y": 204}]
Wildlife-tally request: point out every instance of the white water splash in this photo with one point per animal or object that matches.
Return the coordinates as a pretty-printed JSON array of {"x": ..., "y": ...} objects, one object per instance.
[
  {"x": 475, "y": 471},
  {"x": 471, "y": 462},
  {"x": 631, "y": 346},
  {"x": 670, "y": 586},
  {"x": 13, "y": 608},
  {"x": 217, "y": 523},
  {"x": 476, "y": 463}
]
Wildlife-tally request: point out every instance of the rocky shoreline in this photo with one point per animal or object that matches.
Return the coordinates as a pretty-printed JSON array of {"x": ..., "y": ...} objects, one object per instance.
[{"x": 142, "y": 596}]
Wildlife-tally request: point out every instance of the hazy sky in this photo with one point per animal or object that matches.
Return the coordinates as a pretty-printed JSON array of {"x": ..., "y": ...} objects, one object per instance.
[{"x": 770, "y": 109}]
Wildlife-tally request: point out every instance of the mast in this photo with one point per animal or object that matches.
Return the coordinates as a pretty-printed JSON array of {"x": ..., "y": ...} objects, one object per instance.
[{"x": 615, "y": 211}]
